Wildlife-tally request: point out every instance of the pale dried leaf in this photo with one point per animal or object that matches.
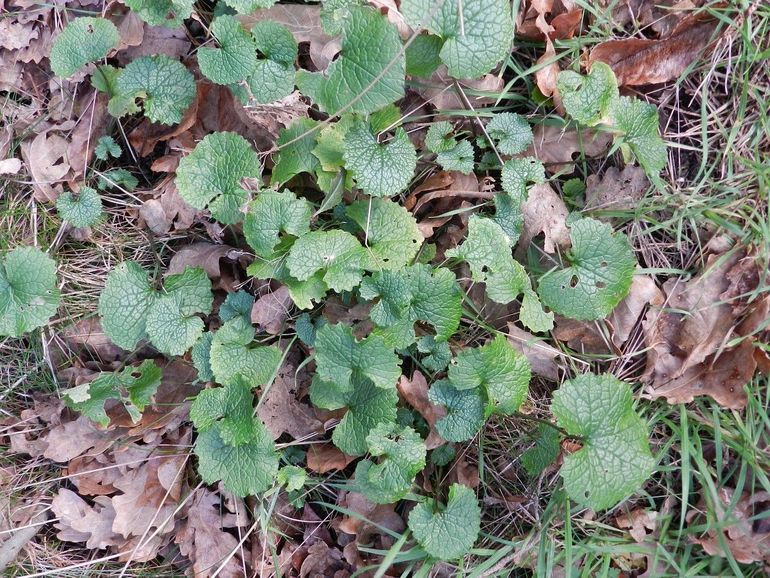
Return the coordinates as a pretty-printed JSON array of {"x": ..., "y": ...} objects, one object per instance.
[
  {"x": 415, "y": 393},
  {"x": 545, "y": 212}
]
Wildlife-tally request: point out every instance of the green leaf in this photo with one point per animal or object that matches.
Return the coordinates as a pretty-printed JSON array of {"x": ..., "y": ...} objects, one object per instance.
[
  {"x": 402, "y": 454},
  {"x": 370, "y": 55},
  {"x": 106, "y": 148},
  {"x": 615, "y": 459},
  {"x": 380, "y": 170},
  {"x": 245, "y": 469},
  {"x": 334, "y": 13},
  {"x": 368, "y": 406},
  {"x": 292, "y": 478},
  {"x": 443, "y": 455},
  {"x": 637, "y": 123},
  {"x": 273, "y": 76},
  {"x": 447, "y": 532},
  {"x": 210, "y": 176},
  {"x": 439, "y": 137},
  {"x": 545, "y": 451},
  {"x": 423, "y": 55},
  {"x": 518, "y": 173},
  {"x": 270, "y": 215},
  {"x": 336, "y": 254},
  {"x": 237, "y": 304},
  {"x": 249, "y": 6},
  {"x": 342, "y": 360},
  {"x": 165, "y": 86},
  {"x": 412, "y": 294},
  {"x": 172, "y": 323},
  {"x": 391, "y": 231},
  {"x": 509, "y": 216},
  {"x": 132, "y": 386},
  {"x": 82, "y": 41},
  {"x": 460, "y": 158},
  {"x": 511, "y": 131},
  {"x": 80, "y": 210},
  {"x": 201, "y": 356},
  {"x": 477, "y": 35},
  {"x": 168, "y": 13},
  {"x": 123, "y": 304},
  {"x": 305, "y": 330},
  {"x": 588, "y": 98},
  {"x": 236, "y": 57},
  {"x": 438, "y": 353},
  {"x": 601, "y": 268},
  {"x": 114, "y": 178},
  {"x": 296, "y": 145},
  {"x": 232, "y": 355},
  {"x": 465, "y": 411},
  {"x": 499, "y": 369},
  {"x": 229, "y": 409}
]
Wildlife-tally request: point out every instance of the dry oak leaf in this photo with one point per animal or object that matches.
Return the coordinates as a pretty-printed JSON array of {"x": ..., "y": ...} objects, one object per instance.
[
  {"x": 167, "y": 211},
  {"x": 203, "y": 539},
  {"x": 205, "y": 255},
  {"x": 282, "y": 411},
  {"x": 639, "y": 523},
  {"x": 365, "y": 525},
  {"x": 87, "y": 335},
  {"x": 322, "y": 458},
  {"x": 415, "y": 393},
  {"x": 269, "y": 312},
  {"x": 79, "y": 522},
  {"x": 544, "y": 212},
  {"x": 687, "y": 338},
  {"x": 46, "y": 159},
  {"x": 747, "y": 537},
  {"x": 637, "y": 61}
]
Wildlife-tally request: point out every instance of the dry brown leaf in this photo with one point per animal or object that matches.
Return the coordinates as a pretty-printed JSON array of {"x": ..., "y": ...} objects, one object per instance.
[
  {"x": 74, "y": 438},
  {"x": 544, "y": 212},
  {"x": 172, "y": 42},
  {"x": 79, "y": 522},
  {"x": 687, "y": 353},
  {"x": 616, "y": 189},
  {"x": 542, "y": 357},
  {"x": 639, "y": 523},
  {"x": 45, "y": 157},
  {"x": 623, "y": 318},
  {"x": 322, "y": 458},
  {"x": 747, "y": 538},
  {"x": 270, "y": 311},
  {"x": 168, "y": 210},
  {"x": 637, "y": 61},
  {"x": 555, "y": 147},
  {"x": 441, "y": 90},
  {"x": 206, "y": 255},
  {"x": 415, "y": 393},
  {"x": 87, "y": 335},
  {"x": 364, "y": 525},
  {"x": 203, "y": 539},
  {"x": 93, "y": 475},
  {"x": 282, "y": 411},
  {"x": 10, "y": 166},
  {"x": 322, "y": 561}
]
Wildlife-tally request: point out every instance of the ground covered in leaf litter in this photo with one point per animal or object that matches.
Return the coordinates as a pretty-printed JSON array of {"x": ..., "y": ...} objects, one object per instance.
[{"x": 126, "y": 498}]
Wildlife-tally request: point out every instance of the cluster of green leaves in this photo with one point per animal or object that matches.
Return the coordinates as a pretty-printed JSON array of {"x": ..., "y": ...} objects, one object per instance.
[{"x": 368, "y": 250}]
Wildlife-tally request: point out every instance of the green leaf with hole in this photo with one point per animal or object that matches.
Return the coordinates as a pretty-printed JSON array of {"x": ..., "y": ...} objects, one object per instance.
[
  {"x": 390, "y": 231},
  {"x": 588, "y": 98},
  {"x": 413, "y": 294},
  {"x": 273, "y": 214},
  {"x": 402, "y": 456},
  {"x": 518, "y": 173},
  {"x": 598, "y": 275},
  {"x": 447, "y": 532},
  {"x": 210, "y": 176},
  {"x": 168, "y": 13},
  {"x": 82, "y": 41},
  {"x": 132, "y": 386},
  {"x": 81, "y": 209},
  {"x": 369, "y": 69},
  {"x": 380, "y": 169},
  {"x": 499, "y": 369},
  {"x": 273, "y": 75},
  {"x": 236, "y": 57},
  {"x": 511, "y": 132},
  {"x": 477, "y": 35},
  {"x": 615, "y": 457},
  {"x": 232, "y": 355},
  {"x": 342, "y": 360},
  {"x": 334, "y": 13},
  {"x": 464, "y": 411},
  {"x": 336, "y": 255},
  {"x": 163, "y": 84},
  {"x": 29, "y": 296}
]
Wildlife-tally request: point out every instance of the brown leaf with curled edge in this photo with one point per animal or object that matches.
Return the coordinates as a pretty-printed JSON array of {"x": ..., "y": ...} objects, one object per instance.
[
  {"x": 742, "y": 524},
  {"x": 322, "y": 458},
  {"x": 555, "y": 146},
  {"x": 687, "y": 338},
  {"x": 79, "y": 522},
  {"x": 46, "y": 159},
  {"x": 637, "y": 61},
  {"x": 206, "y": 255},
  {"x": 563, "y": 19},
  {"x": 541, "y": 356},
  {"x": 624, "y": 317},
  {"x": 415, "y": 393}
]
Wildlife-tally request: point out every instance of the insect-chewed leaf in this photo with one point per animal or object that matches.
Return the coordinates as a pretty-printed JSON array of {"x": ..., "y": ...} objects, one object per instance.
[
  {"x": 236, "y": 57},
  {"x": 615, "y": 457},
  {"x": 28, "y": 293},
  {"x": 81, "y": 210},
  {"x": 601, "y": 268},
  {"x": 391, "y": 231},
  {"x": 511, "y": 131},
  {"x": 477, "y": 35},
  {"x": 210, "y": 175},
  {"x": 465, "y": 411},
  {"x": 369, "y": 70},
  {"x": 518, "y": 173},
  {"x": 588, "y": 99},
  {"x": 169, "y": 13},
  {"x": 270, "y": 214},
  {"x": 447, "y": 532},
  {"x": 500, "y": 370},
  {"x": 82, "y": 41},
  {"x": 402, "y": 454},
  {"x": 164, "y": 84},
  {"x": 133, "y": 386},
  {"x": 381, "y": 170}
]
